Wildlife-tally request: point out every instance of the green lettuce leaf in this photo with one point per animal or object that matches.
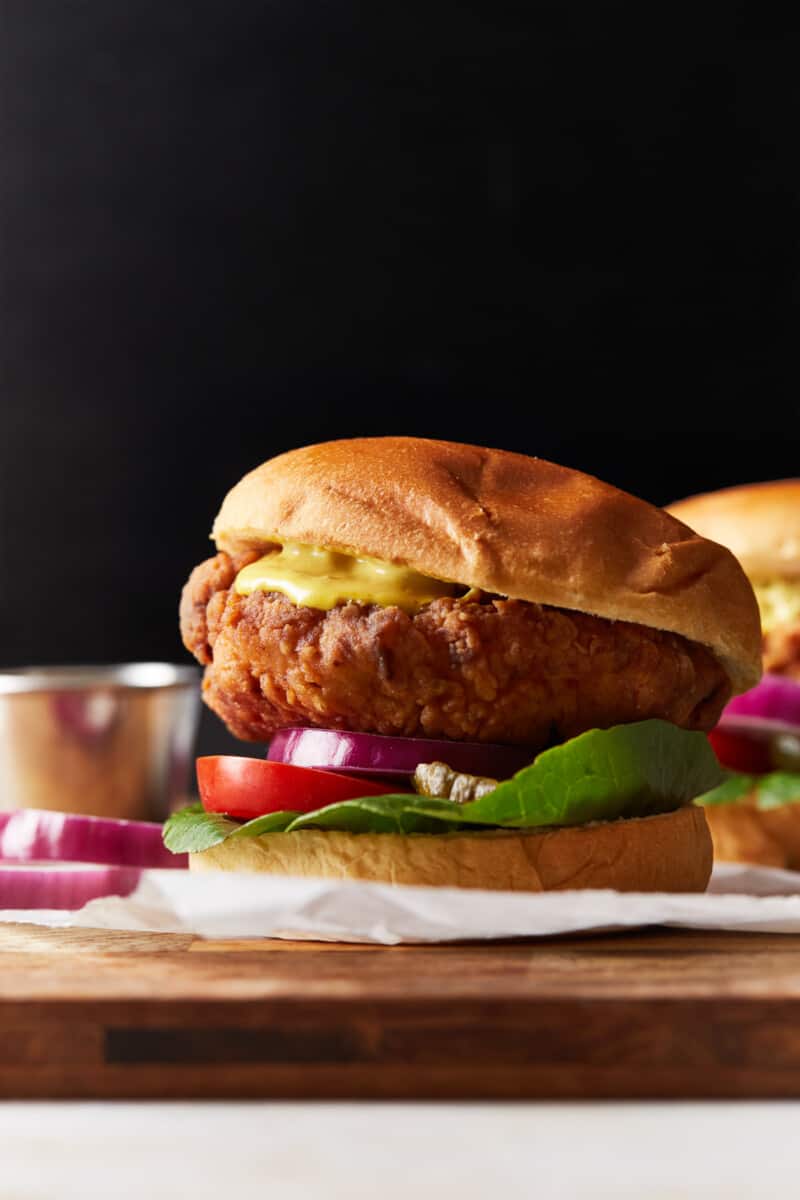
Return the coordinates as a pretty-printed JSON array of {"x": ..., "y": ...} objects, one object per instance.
[
  {"x": 627, "y": 771},
  {"x": 778, "y": 788},
  {"x": 729, "y": 791},
  {"x": 401, "y": 813},
  {"x": 192, "y": 829},
  {"x": 771, "y": 791}
]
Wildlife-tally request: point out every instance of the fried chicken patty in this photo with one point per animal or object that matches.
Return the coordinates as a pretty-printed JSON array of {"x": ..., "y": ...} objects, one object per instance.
[{"x": 485, "y": 669}]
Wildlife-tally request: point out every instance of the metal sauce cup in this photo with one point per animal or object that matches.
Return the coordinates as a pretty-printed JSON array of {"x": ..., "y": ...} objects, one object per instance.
[{"x": 113, "y": 741}]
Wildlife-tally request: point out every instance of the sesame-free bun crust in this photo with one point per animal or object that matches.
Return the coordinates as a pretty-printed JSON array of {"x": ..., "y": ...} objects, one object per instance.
[
  {"x": 743, "y": 833},
  {"x": 667, "y": 853},
  {"x": 759, "y": 522},
  {"x": 506, "y": 523}
]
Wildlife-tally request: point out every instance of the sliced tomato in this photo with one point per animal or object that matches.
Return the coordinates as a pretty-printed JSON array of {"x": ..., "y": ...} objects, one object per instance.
[
  {"x": 251, "y": 787},
  {"x": 741, "y": 753}
]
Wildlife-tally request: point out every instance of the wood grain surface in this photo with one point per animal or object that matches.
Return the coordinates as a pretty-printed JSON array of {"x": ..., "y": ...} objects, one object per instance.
[{"x": 655, "y": 1014}]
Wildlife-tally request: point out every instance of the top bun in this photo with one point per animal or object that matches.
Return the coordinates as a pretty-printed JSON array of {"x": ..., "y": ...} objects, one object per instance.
[
  {"x": 506, "y": 523},
  {"x": 759, "y": 522}
]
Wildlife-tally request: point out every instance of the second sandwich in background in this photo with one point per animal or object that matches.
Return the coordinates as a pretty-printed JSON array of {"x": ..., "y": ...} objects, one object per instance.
[{"x": 755, "y": 815}]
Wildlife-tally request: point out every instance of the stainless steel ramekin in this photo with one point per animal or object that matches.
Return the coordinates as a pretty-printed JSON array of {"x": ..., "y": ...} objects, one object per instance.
[{"x": 114, "y": 741}]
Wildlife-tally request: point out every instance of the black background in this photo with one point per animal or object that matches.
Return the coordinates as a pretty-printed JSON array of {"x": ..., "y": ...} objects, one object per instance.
[{"x": 231, "y": 228}]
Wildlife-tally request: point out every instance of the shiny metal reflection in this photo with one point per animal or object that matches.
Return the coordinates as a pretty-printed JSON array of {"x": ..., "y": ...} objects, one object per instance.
[{"x": 113, "y": 741}]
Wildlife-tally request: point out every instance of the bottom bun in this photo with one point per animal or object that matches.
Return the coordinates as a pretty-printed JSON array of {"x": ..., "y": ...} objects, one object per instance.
[
  {"x": 767, "y": 837},
  {"x": 668, "y": 853}
]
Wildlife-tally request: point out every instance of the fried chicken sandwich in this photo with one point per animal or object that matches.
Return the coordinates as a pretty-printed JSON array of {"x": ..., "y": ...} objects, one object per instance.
[{"x": 559, "y": 647}]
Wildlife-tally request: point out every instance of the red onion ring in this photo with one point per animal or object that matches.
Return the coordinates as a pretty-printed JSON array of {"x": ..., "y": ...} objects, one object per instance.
[
  {"x": 35, "y": 834},
  {"x": 770, "y": 708},
  {"x": 391, "y": 757},
  {"x": 63, "y": 887}
]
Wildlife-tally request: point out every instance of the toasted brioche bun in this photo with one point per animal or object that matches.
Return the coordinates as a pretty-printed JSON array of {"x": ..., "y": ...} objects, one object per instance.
[
  {"x": 667, "y": 853},
  {"x": 506, "y": 523},
  {"x": 759, "y": 522},
  {"x": 743, "y": 833}
]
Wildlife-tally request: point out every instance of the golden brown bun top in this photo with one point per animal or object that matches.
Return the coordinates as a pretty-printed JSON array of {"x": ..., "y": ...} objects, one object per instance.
[
  {"x": 517, "y": 526},
  {"x": 759, "y": 522}
]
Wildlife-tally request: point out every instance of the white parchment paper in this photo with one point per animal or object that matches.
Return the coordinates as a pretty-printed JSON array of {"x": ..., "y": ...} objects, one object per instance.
[{"x": 248, "y": 905}]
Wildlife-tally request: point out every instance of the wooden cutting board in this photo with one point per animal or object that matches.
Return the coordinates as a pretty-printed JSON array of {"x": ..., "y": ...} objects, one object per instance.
[{"x": 658, "y": 1013}]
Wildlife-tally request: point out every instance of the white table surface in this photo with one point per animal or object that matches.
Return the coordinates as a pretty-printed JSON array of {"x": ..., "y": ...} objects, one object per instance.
[{"x": 305, "y": 1151}]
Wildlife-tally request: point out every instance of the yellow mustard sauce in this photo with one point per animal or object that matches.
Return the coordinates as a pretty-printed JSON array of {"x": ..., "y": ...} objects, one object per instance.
[
  {"x": 778, "y": 602},
  {"x": 319, "y": 578}
]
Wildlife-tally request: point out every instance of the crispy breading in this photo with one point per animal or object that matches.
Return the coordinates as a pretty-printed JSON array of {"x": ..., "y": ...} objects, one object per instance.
[{"x": 477, "y": 668}]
